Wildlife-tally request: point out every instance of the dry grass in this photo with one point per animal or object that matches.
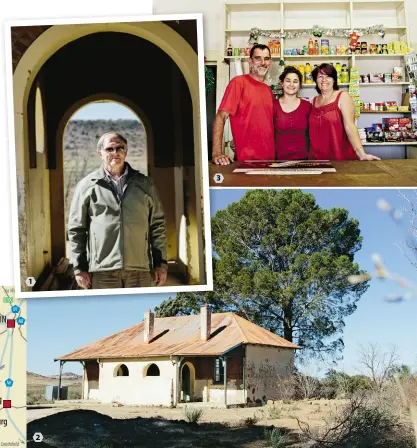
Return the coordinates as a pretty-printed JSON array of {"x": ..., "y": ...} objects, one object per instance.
[
  {"x": 377, "y": 418},
  {"x": 36, "y": 387},
  {"x": 386, "y": 415},
  {"x": 193, "y": 415},
  {"x": 276, "y": 438}
]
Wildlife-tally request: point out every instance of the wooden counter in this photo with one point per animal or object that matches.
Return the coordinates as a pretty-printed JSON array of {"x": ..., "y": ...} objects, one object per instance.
[{"x": 383, "y": 173}]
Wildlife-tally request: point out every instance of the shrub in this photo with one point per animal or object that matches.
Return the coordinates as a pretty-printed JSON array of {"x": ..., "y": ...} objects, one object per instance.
[
  {"x": 305, "y": 386},
  {"x": 358, "y": 383},
  {"x": 285, "y": 388},
  {"x": 274, "y": 412},
  {"x": 340, "y": 384},
  {"x": 276, "y": 438},
  {"x": 249, "y": 421},
  {"x": 35, "y": 397},
  {"x": 193, "y": 415},
  {"x": 362, "y": 423},
  {"x": 74, "y": 394}
]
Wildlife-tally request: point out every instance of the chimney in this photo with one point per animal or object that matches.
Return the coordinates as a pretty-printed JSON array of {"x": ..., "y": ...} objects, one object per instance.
[
  {"x": 148, "y": 330},
  {"x": 205, "y": 317}
]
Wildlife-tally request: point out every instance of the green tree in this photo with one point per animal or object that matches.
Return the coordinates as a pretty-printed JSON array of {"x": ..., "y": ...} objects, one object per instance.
[
  {"x": 359, "y": 383},
  {"x": 283, "y": 262},
  {"x": 403, "y": 371}
]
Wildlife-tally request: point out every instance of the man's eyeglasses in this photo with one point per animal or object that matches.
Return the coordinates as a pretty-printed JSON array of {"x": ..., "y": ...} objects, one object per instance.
[{"x": 115, "y": 148}]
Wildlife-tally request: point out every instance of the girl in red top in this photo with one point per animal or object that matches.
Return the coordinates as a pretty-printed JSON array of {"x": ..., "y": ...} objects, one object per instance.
[
  {"x": 333, "y": 133},
  {"x": 291, "y": 118}
]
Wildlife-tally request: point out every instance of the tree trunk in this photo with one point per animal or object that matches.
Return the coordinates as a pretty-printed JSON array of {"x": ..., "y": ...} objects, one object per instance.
[{"x": 288, "y": 324}]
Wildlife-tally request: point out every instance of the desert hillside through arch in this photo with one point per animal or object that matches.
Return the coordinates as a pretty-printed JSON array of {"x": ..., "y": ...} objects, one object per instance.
[{"x": 82, "y": 132}]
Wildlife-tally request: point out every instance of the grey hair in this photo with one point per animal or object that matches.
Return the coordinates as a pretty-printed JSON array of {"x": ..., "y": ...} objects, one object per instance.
[{"x": 100, "y": 145}]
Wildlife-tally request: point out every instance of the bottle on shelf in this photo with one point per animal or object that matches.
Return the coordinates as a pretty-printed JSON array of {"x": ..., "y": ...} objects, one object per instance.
[
  {"x": 344, "y": 76},
  {"x": 316, "y": 47},
  {"x": 308, "y": 75},
  {"x": 310, "y": 47},
  {"x": 339, "y": 71},
  {"x": 302, "y": 71},
  {"x": 230, "y": 50}
]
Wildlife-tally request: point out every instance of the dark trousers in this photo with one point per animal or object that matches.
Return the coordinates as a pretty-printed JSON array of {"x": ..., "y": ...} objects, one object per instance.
[{"x": 120, "y": 278}]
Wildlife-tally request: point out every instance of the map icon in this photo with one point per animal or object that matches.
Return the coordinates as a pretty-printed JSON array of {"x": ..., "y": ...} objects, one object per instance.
[
  {"x": 13, "y": 398},
  {"x": 15, "y": 309}
]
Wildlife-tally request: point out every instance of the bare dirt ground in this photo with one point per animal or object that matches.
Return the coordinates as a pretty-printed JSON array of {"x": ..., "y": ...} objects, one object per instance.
[
  {"x": 81, "y": 424},
  {"x": 91, "y": 429},
  {"x": 77, "y": 423}
]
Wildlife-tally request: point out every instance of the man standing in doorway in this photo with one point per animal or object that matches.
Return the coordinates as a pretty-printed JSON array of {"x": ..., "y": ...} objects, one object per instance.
[
  {"x": 116, "y": 225},
  {"x": 249, "y": 103}
]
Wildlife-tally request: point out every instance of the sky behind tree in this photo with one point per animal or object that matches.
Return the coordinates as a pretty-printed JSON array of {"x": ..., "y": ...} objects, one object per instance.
[{"x": 58, "y": 326}]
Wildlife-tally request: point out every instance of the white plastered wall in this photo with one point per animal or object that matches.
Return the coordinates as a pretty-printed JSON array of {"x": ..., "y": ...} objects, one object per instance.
[
  {"x": 234, "y": 396},
  {"x": 214, "y": 393},
  {"x": 264, "y": 368},
  {"x": 137, "y": 389}
]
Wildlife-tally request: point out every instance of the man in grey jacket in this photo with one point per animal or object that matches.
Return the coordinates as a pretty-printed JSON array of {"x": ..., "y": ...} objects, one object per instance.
[{"x": 116, "y": 225}]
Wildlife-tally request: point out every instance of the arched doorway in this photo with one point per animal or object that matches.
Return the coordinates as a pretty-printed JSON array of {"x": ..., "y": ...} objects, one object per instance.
[
  {"x": 187, "y": 382},
  {"x": 82, "y": 131},
  {"x": 175, "y": 168}
]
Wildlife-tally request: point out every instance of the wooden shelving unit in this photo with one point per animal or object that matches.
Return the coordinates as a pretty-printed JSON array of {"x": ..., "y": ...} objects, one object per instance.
[
  {"x": 384, "y": 112},
  {"x": 282, "y": 16},
  {"x": 390, "y": 144}
]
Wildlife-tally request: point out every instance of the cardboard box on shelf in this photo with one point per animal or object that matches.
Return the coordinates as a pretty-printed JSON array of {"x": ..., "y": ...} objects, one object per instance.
[{"x": 391, "y": 124}]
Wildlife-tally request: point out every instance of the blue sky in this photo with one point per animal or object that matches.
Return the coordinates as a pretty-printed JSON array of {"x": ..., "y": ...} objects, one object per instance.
[
  {"x": 104, "y": 111},
  {"x": 375, "y": 320},
  {"x": 58, "y": 326}
]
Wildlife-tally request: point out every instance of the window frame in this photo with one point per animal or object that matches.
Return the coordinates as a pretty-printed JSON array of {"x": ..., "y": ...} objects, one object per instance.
[
  {"x": 147, "y": 370},
  {"x": 221, "y": 371}
]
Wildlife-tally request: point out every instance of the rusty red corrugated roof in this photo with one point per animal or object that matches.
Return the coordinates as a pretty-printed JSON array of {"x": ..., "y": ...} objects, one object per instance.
[{"x": 180, "y": 335}]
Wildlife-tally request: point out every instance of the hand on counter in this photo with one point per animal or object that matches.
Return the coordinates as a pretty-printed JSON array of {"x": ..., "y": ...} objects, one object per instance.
[{"x": 221, "y": 159}]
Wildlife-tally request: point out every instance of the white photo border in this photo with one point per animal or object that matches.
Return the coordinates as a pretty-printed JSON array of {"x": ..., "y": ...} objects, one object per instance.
[{"x": 207, "y": 249}]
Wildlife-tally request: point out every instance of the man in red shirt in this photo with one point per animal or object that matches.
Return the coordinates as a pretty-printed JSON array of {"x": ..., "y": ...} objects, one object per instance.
[{"x": 249, "y": 103}]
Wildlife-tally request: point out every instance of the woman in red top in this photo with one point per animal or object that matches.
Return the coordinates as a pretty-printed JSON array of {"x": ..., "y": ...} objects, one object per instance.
[
  {"x": 333, "y": 133},
  {"x": 291, "y": 118}
]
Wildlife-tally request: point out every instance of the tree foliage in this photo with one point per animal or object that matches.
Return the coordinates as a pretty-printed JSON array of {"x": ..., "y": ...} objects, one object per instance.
[
  {"x": 341, "y": 384},
  {"x": 283, "y": 262}
]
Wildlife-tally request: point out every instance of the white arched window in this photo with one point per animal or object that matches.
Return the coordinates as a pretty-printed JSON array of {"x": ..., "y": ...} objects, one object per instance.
[
  {"x": 152, "y": 370},
  {"x": 121, "y": 370}
]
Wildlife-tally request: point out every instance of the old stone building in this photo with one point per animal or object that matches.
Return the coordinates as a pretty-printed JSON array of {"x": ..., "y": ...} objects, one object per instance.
[{"x": 218, "y": 358}]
